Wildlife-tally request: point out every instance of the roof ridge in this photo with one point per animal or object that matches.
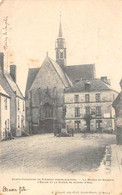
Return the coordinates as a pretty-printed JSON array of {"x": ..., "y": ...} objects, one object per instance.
[
  {"x": 57, "y": 71},
  {"x": 79, "y": 65},
  {"x": 8, "y": 74}
]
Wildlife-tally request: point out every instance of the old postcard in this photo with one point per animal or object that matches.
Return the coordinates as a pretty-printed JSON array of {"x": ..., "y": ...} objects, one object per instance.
[{"x": 61, "y": 97}]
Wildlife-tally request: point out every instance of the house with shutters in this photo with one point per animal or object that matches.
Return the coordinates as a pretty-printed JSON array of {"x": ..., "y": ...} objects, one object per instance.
[
  {"x": 45, "y": 108},
  {"x": 89, "y": 106},
  {"x": 4, "y": 114},
  {"x": 17, "y": 101}
]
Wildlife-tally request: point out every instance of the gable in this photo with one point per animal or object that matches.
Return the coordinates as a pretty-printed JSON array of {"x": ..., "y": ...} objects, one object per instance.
[
  {"x": 32, "y": 73},
  {"x": 51, "y": 75},
  {"x": 14, "y": 87}
]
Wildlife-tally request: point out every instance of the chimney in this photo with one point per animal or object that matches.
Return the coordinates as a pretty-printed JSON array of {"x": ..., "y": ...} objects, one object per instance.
[
  {"x": 1, "y": 62},
  {"x": 106, "y": 80},
  {"x": 13, "y": 72}
]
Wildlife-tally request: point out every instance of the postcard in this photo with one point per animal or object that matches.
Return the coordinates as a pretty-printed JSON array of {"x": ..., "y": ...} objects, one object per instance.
[{"x": 60, "y": 97}]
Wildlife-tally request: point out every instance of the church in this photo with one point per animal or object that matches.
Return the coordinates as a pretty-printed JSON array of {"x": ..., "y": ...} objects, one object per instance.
[{"x": 45, "y": 108}]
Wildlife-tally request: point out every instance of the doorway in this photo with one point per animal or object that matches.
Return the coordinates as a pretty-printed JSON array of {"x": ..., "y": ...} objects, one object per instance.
[{"x": 99, "y": 125}]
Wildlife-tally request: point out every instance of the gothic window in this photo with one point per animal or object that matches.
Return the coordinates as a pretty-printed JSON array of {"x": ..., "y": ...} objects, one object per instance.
[{"x": 48, "y": 111}]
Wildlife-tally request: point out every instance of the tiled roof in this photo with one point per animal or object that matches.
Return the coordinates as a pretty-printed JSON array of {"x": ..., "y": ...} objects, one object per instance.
[
  {"x": 13, "y": 85},
  {"x": 3, "y": 92},
  {"x": 61, "y": 73},
  {"x": 32, "y": 73},
  {"x": 76, "y": 72},
  {"x": 35, "y": 73},
  {"x": 95, "y": 85}
]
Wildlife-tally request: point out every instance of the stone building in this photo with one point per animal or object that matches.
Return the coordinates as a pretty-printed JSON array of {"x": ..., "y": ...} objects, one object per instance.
[
  {"x": 44, "y": 94},
  {"x": 17, "y": 102},
  {"x": 4, "y": 114},
  {"x": 89, "y": 106},
  {"x": 117, "y": 105}
]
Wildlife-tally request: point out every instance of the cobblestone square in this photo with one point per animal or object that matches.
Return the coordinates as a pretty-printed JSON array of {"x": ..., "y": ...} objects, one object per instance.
[{"x": 46, "y": 153}]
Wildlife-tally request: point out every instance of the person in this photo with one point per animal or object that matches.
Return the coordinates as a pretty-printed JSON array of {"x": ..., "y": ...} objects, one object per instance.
[
  {"x": 55, "y": 133},
  {"x": 9, "y": 135},
  {"x": 72, "y": 132}
]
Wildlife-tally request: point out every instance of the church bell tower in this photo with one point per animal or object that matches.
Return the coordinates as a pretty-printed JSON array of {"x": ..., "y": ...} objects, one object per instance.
[{"x": 60, "y": 47}]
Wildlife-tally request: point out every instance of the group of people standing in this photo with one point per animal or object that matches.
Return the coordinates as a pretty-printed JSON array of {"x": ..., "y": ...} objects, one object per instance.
[{"x": 58, "y": 132}]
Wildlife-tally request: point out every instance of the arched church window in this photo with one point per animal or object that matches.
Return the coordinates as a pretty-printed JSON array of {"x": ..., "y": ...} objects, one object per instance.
[{"x": 48, "y": 111}]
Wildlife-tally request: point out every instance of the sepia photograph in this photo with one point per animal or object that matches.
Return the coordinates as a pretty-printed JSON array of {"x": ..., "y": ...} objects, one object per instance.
[{"x": 61, "y": 97}]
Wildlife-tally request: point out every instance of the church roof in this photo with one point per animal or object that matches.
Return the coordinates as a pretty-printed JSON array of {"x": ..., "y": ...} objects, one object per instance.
[
  {"x": 32, "y": 73},
  {"x": 95, "y": 85},
  {"x": 76, "y": 72},
  {"x": 13, "y": 85},
  {"x": 61, "y": 73}
]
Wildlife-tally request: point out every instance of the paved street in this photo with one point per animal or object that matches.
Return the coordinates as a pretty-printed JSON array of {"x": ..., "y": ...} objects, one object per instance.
[{"x": 43, "y": 153}]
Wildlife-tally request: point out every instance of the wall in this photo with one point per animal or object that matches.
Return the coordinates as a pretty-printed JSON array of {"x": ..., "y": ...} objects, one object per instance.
[
  {"x": 47, "y": 81},
  {"x": 5, "y": 117},
  {"x": 20, "y": 113},
  {"x": 107, "y": 116}
]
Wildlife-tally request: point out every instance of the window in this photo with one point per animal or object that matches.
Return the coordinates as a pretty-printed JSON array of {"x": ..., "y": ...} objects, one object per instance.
[
  {"x": 77, "y": 112},
  {"x": 87, "y": 86},
  {"x": 18, "y": 121},
  {"x": 8, "y": 125},
  {"x": 98, "y": 97},
  {"x": 23, "y": 106},
  {"x": 87, "y": 97},
  {"x": 5, "y": 104},
  {"x": 87, "y": 110},
  {"x": 77, "y": 125},
  {"x": 48, "y": 111},
  {"x": 18, "y": 104},
  {"x": 5, "y": 124},
  {"x": 76, "y": 98},
  {"x": 61, "y": 54},
  {"x": 98, "y": 111}
]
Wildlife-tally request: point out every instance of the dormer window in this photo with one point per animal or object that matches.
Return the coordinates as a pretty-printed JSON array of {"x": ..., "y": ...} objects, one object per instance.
[{"x": 87, "y": 86}]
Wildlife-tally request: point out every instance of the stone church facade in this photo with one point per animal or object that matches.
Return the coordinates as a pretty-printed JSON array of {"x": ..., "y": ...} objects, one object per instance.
[{"x": 45, "y": 108}]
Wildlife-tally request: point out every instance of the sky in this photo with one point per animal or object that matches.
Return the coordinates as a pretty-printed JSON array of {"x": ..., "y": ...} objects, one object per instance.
[{"x": 92, "y": 30}]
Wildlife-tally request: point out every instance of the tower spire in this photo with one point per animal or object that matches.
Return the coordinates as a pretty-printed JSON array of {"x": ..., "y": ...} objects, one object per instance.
[
  {"x": 60, "y": 48},
  {"x": 60, "y": 28}
]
